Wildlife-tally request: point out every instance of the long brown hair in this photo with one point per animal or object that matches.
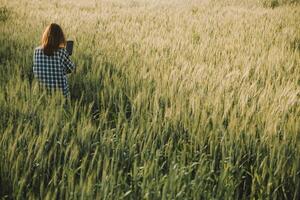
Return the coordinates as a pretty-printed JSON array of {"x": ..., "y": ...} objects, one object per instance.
[{"x": 52, "y": 39}]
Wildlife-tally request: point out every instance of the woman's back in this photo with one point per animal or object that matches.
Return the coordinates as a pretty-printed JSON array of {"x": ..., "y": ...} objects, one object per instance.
[{"x": 51, "y": 70}]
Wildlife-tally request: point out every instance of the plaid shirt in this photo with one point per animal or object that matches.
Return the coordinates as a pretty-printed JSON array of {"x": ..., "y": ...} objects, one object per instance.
[{"x": 51, "y": 70}]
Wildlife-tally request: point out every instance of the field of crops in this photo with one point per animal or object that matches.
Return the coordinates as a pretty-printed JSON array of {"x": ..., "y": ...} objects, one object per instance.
[{"x": 171, "y": 99}]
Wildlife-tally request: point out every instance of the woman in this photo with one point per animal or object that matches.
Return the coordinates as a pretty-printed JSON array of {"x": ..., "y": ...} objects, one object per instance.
[{"x": 51, "y": 60}]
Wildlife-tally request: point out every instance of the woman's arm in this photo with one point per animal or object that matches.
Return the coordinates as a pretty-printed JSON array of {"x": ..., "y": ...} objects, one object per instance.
[{"x": 68, "y": 65}]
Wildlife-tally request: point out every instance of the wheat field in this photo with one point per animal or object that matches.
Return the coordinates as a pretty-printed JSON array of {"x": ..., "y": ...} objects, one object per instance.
[{"x": 171, "y": 99}]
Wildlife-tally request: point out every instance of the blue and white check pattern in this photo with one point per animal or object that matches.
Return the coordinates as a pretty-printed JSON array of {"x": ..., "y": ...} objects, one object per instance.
[{"x": 51, "y": 71}]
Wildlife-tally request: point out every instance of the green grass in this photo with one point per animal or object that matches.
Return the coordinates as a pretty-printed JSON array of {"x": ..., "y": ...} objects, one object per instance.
[{"x": 170, "y": 100}]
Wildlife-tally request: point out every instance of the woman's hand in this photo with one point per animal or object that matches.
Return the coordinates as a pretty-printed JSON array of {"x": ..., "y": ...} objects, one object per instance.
[{"x": 62, "y": 45}]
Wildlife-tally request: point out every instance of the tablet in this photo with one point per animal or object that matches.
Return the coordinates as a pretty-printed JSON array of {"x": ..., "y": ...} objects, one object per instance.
[{"x": 69, "y": 46}]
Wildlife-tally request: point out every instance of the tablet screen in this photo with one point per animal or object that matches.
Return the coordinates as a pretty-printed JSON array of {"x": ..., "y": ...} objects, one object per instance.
[{"x": 69, "y": 46}]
